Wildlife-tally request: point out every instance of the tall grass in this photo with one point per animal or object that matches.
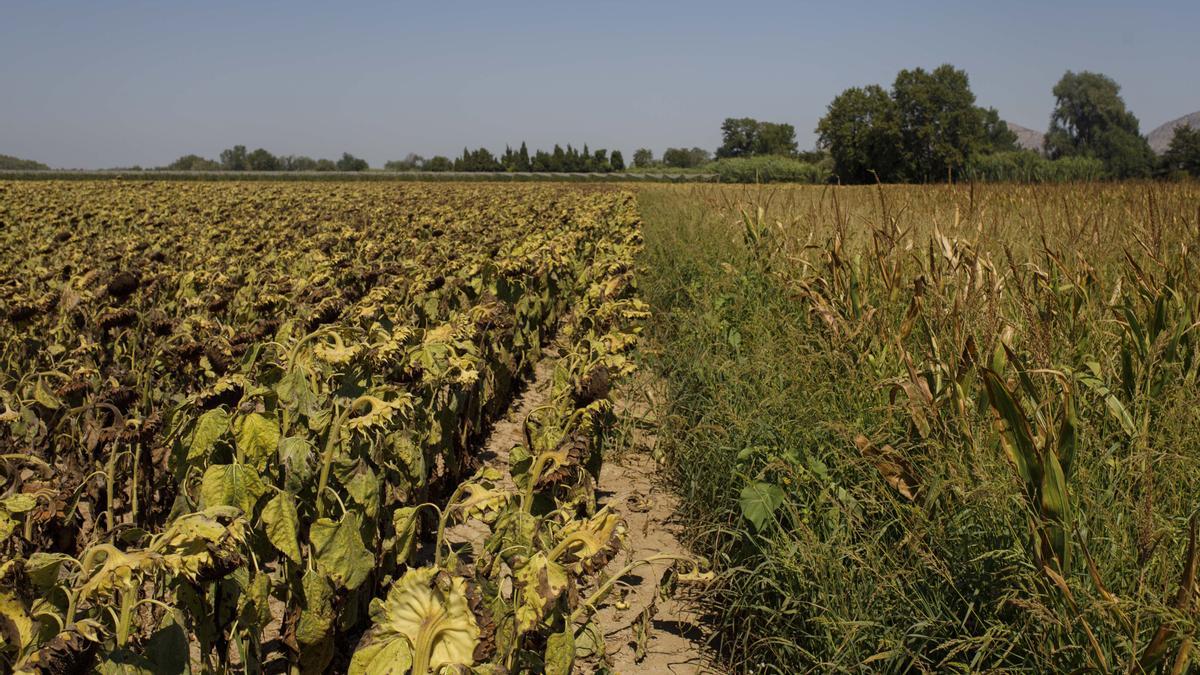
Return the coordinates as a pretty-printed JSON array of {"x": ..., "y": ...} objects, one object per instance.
[
  {"x": 1024, "y": 166},
  {"x": 769, "y": 169},
  {"x": 830, "y": 426}
]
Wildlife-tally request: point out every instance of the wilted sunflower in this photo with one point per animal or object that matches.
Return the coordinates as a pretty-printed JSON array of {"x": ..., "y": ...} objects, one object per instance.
[{"x": 426, "y": 622}]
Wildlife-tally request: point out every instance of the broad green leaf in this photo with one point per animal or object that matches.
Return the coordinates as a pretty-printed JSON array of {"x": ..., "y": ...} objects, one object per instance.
[
  {"x": 254, "y": 603},
  {"x": 15, "y": 620},
  {"x": 283, "y": 525},
  {"x": 390, "y": 656},
  {"x": 209, "y": 429},
  {"x": 759, "y": 501},
  {"x": 411, "y": 456},
  {"x": 167, "y": 649},
  {"x": 364, "y": 489},
  {"x": 231, "y": 485},
  {"x": 589, "y": 641},
  {"x": 257, "y": 439},
  {"x": 560, "y": 653},
  {"x": 541, "y": 582},
  {"x": 339, "y": 551},
  {"x": 317, "y": 615},
  {"x": 294, "y": 391},
  {"x": 42, "y": 395},
  {"x": 404, "y": 520},
  {"x": 125, "y": 662},
  {"x": 18, "y": 503},
  {"x": 295, "y": 454},
  {"x": 423, "y": 599},
  {"x": 43, "y": 568}
]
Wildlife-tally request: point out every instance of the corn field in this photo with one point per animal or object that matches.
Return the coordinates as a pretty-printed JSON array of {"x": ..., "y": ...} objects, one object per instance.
[{"x": 963, "y": 422}]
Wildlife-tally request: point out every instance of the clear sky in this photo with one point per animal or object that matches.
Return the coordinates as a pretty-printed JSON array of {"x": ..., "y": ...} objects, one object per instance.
[{"x": 99, "y": 84}]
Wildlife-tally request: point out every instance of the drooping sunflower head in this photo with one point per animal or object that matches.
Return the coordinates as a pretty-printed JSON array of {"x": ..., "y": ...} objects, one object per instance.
[{"x": 426, "y": 620}]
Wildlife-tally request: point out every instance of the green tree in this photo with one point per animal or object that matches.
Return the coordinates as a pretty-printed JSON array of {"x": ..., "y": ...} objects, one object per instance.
[
  {"x": 683, "y": 158},
  {"x": 616, "y": 161},
  {"x": 1183, "y": 154},
  {"x": 261, "y": 160},
  {"x": 739, "y": 137},
  {"x": 349, "y": 162},
  {"x": 411, "y": 162},
  {"x": 600, "y": 161},
  {"x": 747, "y": 137},
  {"x": 439, "y": 163},
  {"x": 1090, "y": 119},
  {"x": 10, "y": 163},
  {"x": 940, "y": 126},
  {"x": 234, "y": 159},
  {"x": 643, "y": 158},
  {"x": 997, "y": 137},
  {"x": 193, "y": 163},
  {"x": 676, "y": 158},
  {"x": 325, "y": 165},
  {"x": 297, "y": 163},
  {"x": 775, "y": 139},
  {"x": 861, "y": 131},
  {"x": 523, "y": 163}
]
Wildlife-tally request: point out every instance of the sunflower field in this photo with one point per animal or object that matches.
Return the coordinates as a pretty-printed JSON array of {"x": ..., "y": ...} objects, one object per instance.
[{"x": 236, "y": 421}]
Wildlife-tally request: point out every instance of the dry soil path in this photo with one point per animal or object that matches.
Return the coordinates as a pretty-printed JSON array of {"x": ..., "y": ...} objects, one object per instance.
[{"x": 641, "y": 635}]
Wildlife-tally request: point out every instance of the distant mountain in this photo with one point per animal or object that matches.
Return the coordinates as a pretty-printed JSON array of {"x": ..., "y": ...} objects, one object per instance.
[
  {"x": 16, "y": 164},
  {"x": 1027, "y": 139},
  {"x": 1161, "y": 137}
]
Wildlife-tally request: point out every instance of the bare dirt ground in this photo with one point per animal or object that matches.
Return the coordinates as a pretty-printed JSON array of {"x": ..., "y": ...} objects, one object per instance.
[
  {"x": 641, "y": 634},
  {"x": 644, "y": 635}
]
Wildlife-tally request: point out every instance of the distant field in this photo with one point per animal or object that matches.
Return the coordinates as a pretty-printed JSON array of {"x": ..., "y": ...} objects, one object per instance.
[{"x": 387, "y": 176}]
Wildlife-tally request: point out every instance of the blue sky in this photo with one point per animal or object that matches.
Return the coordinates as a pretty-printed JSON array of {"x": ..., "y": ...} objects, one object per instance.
[{"x": 96, "y": 84}]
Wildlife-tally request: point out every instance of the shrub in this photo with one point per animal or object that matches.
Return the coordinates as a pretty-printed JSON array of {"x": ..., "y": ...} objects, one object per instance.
[
  {"x": 1024, "y": 166},
  {"x": 768, "y": 169}
]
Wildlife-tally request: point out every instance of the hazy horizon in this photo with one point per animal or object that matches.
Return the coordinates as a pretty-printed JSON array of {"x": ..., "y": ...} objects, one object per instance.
[{"x": 91, "y": 86}]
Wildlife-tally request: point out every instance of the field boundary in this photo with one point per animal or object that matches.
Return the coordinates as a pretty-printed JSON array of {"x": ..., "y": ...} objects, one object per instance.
[{"x": 363, "y": 176}]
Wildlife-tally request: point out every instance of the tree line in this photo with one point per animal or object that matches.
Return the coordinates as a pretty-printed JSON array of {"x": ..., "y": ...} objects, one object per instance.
[
  {"x": 238, "y": 159},
  {"x": 558, "y": 160},
  {"x": 928, "y": 128},
  {"x": 10, "y": 163}
]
